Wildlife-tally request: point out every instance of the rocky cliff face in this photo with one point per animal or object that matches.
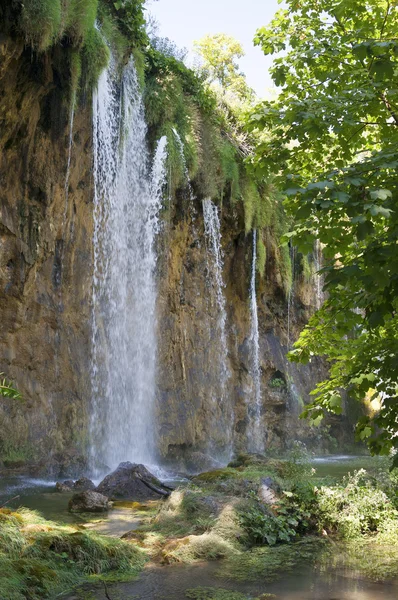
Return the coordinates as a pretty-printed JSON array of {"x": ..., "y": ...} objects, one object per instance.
[
  {"x": 45, "y": 259},
  {"x": 190, "y": 403},
  {"x": 45, "y": 296}
]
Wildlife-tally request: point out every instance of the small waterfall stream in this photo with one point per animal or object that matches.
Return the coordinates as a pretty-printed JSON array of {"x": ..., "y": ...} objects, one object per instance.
[
  {"x": 71, "y": 123},
  {"x": 128, "y": 196},
  {"x": 191, "y": 195},
  {"x": 290, "y": 296},
  {"x": 255, "y": 441},
  {"x": 212, "y": 229},
  {"x": 318, "y": 276}
]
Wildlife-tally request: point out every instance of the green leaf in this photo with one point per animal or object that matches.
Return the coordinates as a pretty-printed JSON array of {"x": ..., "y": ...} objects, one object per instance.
[{"x": 380, "y": 194}]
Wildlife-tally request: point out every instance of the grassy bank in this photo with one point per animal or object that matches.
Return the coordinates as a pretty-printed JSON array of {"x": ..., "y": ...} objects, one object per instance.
[{"x": 40, "y": 558}]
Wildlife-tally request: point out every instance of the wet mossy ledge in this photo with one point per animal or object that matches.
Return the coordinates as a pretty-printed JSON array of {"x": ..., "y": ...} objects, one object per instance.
[
  {"x": 80, "y": 37},
  {"x": 86, "y": 31}
]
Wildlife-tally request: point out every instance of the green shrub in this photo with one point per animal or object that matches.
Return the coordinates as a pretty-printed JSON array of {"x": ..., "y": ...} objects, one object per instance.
[
  {"x": 355, "y": 507},
  {"x": 79, "y": 19},
  {"x": 285, "y": 522},
  {"x": 230, "y": 175},
  {"x": 277, "y": 383},
  {"x": 41, "y": 22},
  {"x": 95, "y": 58},
  {"x": 261, "y": 256}
]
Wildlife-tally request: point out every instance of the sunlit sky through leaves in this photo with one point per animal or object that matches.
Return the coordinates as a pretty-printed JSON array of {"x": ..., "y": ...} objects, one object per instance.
[{"x": 184, "y": 21}]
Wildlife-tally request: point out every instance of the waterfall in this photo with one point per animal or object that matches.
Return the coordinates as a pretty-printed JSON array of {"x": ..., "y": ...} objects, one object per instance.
[
  {"x": 71, "y": 123},
  {"x": 318, "y": 276},
  {"x": 290, "y": 296},
  {"x": 215, "y": 266},
  {"x": 255, "y": 436},
  {"x": 191, "y": 195},
  {"x": 127, "y": 198},
  {"x": 184, "y": 162}
]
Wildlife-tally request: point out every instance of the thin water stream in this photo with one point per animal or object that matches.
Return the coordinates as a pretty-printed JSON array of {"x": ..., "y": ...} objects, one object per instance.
[
  {"x": 215, "y": 260},
  {"x": 255, "y": 437}
]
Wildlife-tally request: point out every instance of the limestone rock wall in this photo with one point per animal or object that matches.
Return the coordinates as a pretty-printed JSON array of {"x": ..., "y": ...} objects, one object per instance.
[
  {"x": 45, "y": 260},
  {"x": 189, "y": 400}
]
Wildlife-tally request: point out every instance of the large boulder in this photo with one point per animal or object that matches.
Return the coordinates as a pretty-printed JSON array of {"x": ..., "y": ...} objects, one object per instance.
[
  {"x": 133, "y": 482},
  {"x": 89, "y": 501}
]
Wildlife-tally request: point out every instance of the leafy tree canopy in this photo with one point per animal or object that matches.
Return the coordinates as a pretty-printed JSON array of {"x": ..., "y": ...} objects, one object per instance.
[
  {"x": 333, "y": 135},
  {"x": 219, "y": 54}
]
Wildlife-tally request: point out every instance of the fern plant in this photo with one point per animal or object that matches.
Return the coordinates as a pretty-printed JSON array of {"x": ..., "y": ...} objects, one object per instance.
[{"x": 7, "y": 390}]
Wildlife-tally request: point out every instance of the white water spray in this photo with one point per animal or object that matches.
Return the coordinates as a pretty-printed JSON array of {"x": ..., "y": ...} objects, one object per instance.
[
  {"x": 191, "y": 195},
  {"x": 71, "y": 123},
  {"x": 318, "y": 275},
  {"x": 216, "y": 265},
  {"x": 128, "y": 196},
  {"x": 215, "y": 268},
  {"x": 290, "y": 296},
  {"x": 256, "y": 443}
]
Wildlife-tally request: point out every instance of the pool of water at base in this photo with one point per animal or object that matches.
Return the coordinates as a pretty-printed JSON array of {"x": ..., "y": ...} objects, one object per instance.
[{"x": 311, "y": 583}]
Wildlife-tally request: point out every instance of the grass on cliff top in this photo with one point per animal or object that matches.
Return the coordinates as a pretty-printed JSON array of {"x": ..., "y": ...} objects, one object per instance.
[
  {"x": 45, "y": 22},
  {"x": 40, "y": 558}
]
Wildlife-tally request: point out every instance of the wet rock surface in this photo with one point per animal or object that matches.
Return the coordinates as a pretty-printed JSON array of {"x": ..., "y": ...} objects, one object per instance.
[
  {"x": 133, "y": 482},
  {"x": 83, "y": 484},
  {"x": 88, "y": 501},
  {"x": 64, "y": 487}
]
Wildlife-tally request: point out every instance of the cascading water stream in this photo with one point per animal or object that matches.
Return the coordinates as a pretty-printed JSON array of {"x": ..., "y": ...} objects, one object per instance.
[
  {"x": 255, "y": 441},
  {"x": 318, "y": 275},
  {"x": 215, "y": 267},
  {"x": 71, "y": 123},
  {"x": 128, "y": 197},
  {"x": 191, "y": 195},
  {"x": 290, "y": 297},
  {"x": 61, "y": 266}
]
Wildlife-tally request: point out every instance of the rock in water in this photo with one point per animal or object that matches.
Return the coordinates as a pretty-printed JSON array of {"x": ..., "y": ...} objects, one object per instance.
[
  {"x": 83, "y": 484},
  {"x": 64, "y": 487},
  {"x": 133, "y": 482},
  {"x": 89, "y": 501}
]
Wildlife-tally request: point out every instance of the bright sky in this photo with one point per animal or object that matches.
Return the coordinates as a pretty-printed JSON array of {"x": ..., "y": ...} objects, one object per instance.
[{"x": 184, "y": 21}]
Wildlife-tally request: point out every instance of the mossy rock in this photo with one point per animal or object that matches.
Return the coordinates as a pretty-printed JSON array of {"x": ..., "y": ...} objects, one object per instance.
[
  {"x": 14, "y": 464},
  {"x": 248, "y": 460},
  {"x": 216, "y": 475}
]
